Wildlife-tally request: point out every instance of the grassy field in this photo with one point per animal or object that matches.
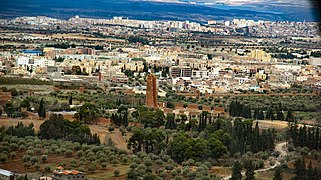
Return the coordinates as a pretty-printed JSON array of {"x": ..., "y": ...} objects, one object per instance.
[{"x": 109, "y": 173}]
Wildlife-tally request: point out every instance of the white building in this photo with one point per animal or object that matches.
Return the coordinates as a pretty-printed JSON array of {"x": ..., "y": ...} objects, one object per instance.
[
  {"x": 23, "y": 60},
  {"x": 289, "y": 68},
  {"x": 43, "y": 62}
]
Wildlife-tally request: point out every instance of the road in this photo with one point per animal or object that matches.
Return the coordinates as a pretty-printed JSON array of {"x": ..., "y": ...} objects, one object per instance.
[{"x": 279, "y": 147}]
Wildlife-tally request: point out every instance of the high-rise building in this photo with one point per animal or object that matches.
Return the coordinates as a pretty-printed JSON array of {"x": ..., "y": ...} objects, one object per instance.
[{"x": 151, "y": 91}]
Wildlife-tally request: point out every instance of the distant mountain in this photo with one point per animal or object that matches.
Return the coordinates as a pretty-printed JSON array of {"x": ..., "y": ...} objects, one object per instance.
[{"x": 196, "y": 10}]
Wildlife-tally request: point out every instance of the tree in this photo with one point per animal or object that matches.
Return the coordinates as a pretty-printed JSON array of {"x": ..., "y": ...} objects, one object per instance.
[
  {"x": 42, "y": 109},
  {"x": 69, "y": 153},
  {"x": 58, "y": 128},
  {"x": 170, "y": 121},
  {"x": 9, "y": 109},
  {"x": 236, "y": 171},
  {"x": 92, "y": 168},
  {"x": 310, "y": 171},
  {"x": 25, "y": 104},
  {"x": 104, "y": 165},
  {"x": 289, "y": 116},
  {"x": 27, "y": 165},
  {"x": 280, "y": 116},
  {"x": 70, "y": 100},
  {"x": 170, "y": 105},
  {"x": 87, "y": 113},
  {"x": 47, "y": 168},
  {"x": 150, "y": 117},
  {"x": 36, "y": 166},
  {"x": 44, "y": 158},
  {"x": 3, "y": 158},
  {"x": 277, "y": 174},
  {"x": 14, "y": 92},
  {"x": 261, "y": 115},
  {"x": 34, "y": 160},
  {"x": 116, "y": 173},
  {"x": 299, "y": 169},
  {"x": 20, "y": 130},
  {"x": 249, "y": 166}
]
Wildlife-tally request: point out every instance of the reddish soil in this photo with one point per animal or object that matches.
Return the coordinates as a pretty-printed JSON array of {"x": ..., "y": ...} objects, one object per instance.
[
  {"x": 103, "y": 121},
  {"x": 16, "y": 164}
]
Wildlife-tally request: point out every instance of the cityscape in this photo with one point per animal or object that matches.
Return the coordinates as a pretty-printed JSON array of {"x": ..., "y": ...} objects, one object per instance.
[{"x": 144, "y": 98}]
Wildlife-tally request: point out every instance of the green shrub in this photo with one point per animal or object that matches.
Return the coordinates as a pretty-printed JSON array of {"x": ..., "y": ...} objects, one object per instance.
[
  {"x": 44, "y": 158},
  {"x": 116, "y": 173},
  {"x": 47, "y": 169},
  {"x": 3, "y": 158},
  {"x": 36, "y": 166},
  {"x": 26, "y": 158}
]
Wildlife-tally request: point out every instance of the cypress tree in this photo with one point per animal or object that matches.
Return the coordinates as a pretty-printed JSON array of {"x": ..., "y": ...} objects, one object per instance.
[
  {"x": 310, "y": 171},
  {"x": 317, "y": 140},
  {"x": 268, "y": 114},
  {"x": 126, "y": 119},
  {"x": 256, "y": 114},
  {"x": 272, "y": 115},
  {"x": 300, "y": 169},
  {"x": 280, "y": 115},
  {"x": 70, "y": 100},
  {"x": 236, "y": 171},
  {"x": 42, "y": 110},
  {"x": 277, "y": 174},
  {"x": 120, "y": 120},
  {"x": 113, "y": 118},
  {"x": 249, "y": 171},
  {"x": 289, "y": 116},
  {"x": 261, "y": 114},
  {"x": 232, "y": 108},
  {"x": 249, "y": 166},
  {"x": 256, "y": 138}
]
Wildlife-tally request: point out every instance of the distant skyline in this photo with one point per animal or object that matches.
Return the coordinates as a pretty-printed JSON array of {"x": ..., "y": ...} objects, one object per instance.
[
  {"x": 244, "y": 2},
  {"x": 195, "y": 10}
]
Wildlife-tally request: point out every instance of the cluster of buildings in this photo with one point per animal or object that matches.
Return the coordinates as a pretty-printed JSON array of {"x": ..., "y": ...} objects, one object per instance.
[
  {"x": 233, "y": 66},
  {"x": 227, "y": 78},
  {"x": 187, "y": 71},
  {"x": 120, "y": 25}
]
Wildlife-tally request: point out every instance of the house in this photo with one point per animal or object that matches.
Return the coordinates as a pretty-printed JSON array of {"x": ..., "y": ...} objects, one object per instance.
[{"x": 61, "y": 174}]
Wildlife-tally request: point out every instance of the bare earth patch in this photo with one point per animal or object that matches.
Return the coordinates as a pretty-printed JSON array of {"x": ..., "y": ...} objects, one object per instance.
[{"x": 265, "y": 124}]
